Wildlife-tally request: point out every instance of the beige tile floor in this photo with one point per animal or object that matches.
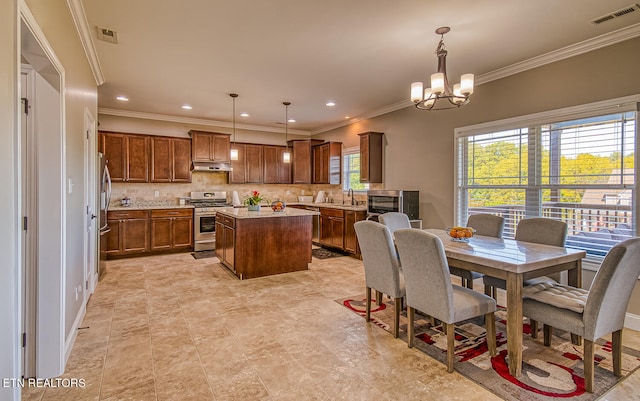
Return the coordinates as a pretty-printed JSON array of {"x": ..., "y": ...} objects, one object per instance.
[{"x": 175, "y": 328}]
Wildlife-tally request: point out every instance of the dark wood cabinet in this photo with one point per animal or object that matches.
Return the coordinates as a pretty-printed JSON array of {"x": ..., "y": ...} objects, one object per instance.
[
  {"x": 170, "y": 159},
  {"x": 129, "y": 232},
  {"x": 127, "y": 156},
  {"x": 137, "y": 232},
  {"x": 276, "y": 171},
  {"x": 371, "y": 144},
  {"x": 248, "y": 169},
  {"x": 327, "y": 163},
  {"x": 350, "y": 239},
  {"x": 302, "y": 157},
  {"x": 171, "y": 229},
  {"x": 332, "y": 228},
  {"x": 225, "y": 240},
  {"x": 210, "y": 146}
]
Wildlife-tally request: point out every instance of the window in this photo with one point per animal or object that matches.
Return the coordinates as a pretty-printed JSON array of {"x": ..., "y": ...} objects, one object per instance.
[
  {"x": 351, "y": 170},
  {"x": 579, "y": 170}
]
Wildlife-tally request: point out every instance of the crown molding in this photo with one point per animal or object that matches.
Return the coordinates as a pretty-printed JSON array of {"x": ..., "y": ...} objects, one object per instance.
[
  {"x": 576, "y": 49},
  {"x": 586, "y": 46},
  {"x": 194, "y": 121},
  {"x": 84, "y": 32}
]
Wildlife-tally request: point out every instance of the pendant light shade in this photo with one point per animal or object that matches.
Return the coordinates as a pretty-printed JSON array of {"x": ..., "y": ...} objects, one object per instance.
[
  {"x": 286, "y": 156},
  {"x": 234, "y": 150}
]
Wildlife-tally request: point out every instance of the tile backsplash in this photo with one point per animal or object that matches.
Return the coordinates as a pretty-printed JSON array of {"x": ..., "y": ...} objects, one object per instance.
[{"x": 144, "y": 194}]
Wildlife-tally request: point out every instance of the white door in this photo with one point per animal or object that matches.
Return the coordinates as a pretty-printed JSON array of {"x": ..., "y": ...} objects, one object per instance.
[{"x": 91, "y": 208}]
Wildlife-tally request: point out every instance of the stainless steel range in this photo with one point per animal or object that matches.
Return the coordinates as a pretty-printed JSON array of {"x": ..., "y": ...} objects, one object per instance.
[{"x": 204, "y": 212}]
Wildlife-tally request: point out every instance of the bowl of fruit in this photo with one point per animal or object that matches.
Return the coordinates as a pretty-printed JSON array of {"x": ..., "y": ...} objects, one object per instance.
[
  {"x": 461, "y": 234},
  {"x": 278, "y": 206}
]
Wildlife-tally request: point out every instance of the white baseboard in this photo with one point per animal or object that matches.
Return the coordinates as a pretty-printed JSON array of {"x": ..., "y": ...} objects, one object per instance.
[
  {"x": 71, "y": 339},
  {"x": 632, "y": 322}
]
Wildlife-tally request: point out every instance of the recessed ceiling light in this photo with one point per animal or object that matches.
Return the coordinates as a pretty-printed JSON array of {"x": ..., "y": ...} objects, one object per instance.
[
  {"x": 123, "y": 98},
  {"x": 244, "y": 114},
  {"x": 347, "y": 117},
  {"x": 330, "y": 103},
  {"x": 291, "y": 120},
  {"x": 187, "y": 107}
]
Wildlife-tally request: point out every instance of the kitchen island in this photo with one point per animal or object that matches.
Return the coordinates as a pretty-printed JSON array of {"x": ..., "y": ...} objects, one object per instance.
[{"x": 256, "y": 244}]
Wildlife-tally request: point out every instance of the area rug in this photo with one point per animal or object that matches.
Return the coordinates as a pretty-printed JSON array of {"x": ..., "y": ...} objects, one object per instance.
[
  {"x": 322, "y": 253},
  {"x": 203, "y": 254},
  {"x": 547, "y": 372}
]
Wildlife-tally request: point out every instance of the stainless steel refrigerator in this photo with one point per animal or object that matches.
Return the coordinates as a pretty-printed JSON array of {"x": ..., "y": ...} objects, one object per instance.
[{"x": 105, "y": 199}]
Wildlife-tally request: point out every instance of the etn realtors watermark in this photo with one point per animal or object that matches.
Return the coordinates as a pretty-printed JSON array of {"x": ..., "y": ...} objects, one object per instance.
[{"x": 35, "y": 382}]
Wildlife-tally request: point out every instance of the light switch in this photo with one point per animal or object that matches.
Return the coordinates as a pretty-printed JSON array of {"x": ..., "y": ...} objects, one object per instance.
[
  {"x": 70, "y": 186},
  {"x": 156, "y": 193}
]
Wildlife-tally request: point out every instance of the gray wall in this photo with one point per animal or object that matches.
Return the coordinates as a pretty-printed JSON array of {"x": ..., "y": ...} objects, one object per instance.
[{"x": 419, "y": 151}]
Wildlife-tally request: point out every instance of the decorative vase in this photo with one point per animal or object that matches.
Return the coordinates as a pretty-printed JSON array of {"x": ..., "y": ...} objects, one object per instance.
[{"x": 253, "y": 208}]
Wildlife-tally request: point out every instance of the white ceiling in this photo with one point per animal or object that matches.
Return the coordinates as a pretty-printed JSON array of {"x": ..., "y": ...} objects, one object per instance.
[{"x": 362, "y": 54}]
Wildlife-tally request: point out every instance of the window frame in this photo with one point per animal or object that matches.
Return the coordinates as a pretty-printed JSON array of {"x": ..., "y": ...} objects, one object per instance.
[
  {"x": 612, "y": 106},
  {"x": 346, "y": 153}
]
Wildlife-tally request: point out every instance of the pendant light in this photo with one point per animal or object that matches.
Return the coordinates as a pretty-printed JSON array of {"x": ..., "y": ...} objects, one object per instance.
[
  {"x": 234, "y": 151},
  {"x": 286, "y": 156}
]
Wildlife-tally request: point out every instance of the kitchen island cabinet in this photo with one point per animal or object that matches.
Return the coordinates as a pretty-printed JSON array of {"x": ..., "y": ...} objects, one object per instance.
[{"x": 264, "y": 243}]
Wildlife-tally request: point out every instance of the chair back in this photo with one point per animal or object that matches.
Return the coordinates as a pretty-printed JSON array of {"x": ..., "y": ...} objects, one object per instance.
[
  {"x": 394, "y": 221},
  {"x": 381, "y": 267},
  {"x": 542, "y": 231},
  {"x": 487, "y": 224},
  {"x": 426, "y": 273},
  {"x": 606, "y": 305}
]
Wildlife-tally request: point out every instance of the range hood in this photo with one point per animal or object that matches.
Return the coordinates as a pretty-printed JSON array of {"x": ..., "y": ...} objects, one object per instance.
[{"x": 212, "y": 167}]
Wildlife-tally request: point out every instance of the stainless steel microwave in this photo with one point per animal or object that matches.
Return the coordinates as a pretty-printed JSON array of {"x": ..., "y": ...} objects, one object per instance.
[{"x": 382, "y": 201}]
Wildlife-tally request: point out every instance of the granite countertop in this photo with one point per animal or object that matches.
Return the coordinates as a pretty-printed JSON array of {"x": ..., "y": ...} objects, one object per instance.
[
  {"x": 362, "y": 208},
  {"x": 265, "y": 211},
  {"x": 149, "y": 207}
]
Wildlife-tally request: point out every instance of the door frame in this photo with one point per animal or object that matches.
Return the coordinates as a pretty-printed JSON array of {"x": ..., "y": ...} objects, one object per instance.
[{"x": 92, "y": 209}]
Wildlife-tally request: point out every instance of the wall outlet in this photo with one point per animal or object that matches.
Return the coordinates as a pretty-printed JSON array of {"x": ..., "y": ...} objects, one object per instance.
[
  {"x": 302, "y": 192},
  {"x": 156, "y": 193},
  {"x": 288, "y": 192}
]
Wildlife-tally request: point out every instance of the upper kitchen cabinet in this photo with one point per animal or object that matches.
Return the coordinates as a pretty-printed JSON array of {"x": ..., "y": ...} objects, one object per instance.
[
  {"x": 127, "y": 156},
  {"x": 303, "y": 159},
  {"x": 210, "y": 146},
  {"x": 327, "y": 163},
  {"x": 248, "y": 169},
  {"x": 371, "y": 157},
  {"x": 276, "y": 171},
  {"x": 170, "y": 159}
]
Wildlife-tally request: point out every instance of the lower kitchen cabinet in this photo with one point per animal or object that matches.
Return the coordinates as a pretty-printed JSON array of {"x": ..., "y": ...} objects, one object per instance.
[
  {"x": 332, "y": 227},
  {"x": 139, "y": 232},
  {"x": 129, "y": 232},
  {"x": 171, "y": 229},
  {"x": 350, "y": 240},
  {"x": 225, "y": 240}
]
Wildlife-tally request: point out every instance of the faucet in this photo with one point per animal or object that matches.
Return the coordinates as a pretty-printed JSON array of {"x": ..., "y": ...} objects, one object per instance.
[{"x": 350, "y": 195}]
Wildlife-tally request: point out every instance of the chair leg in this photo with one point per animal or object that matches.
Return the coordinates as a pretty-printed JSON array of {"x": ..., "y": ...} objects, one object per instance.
[
  {"x": 576, "y": 339},
  {"x": 616, "y": 341},
  {"x": 487, "y": 290},
  {"x": 588, "y": 365},
  {"x": 547, "y": 331},
  {"x": 490, "y": 324},
  {"x": 410, "y": 312},
  {"x": 397, "y": 307},
  {"x": 468, "y": 283},
  {"x": 451, "y": 346},
  {"x": 378, "y": 298},
  {"x": 534, "y": 328},
  {"x": 368, "y": 307}
]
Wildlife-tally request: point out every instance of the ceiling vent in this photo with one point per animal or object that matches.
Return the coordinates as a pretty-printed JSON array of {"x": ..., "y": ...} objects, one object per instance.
[
  {"x": 107, "y": 35},
  {"x": 619, "y": 13}
]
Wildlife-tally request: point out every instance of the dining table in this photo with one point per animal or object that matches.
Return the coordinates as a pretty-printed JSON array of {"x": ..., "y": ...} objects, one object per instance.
[{"x": 513, "y": 261}]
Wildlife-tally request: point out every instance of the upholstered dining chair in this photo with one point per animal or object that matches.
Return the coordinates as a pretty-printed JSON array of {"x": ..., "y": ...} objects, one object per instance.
[
  {"x": 538, "y": 230},
  {"x": 381, "y": 267},
  {"x": 590, "y": 314},
  {"x": 394, "y": 221},
  {"x": 429, "y": 290},
  {"x": 490, "y": 225}
]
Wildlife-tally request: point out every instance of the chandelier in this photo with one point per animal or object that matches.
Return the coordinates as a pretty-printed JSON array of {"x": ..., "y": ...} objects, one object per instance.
[{"x": 441, "y": 95}]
